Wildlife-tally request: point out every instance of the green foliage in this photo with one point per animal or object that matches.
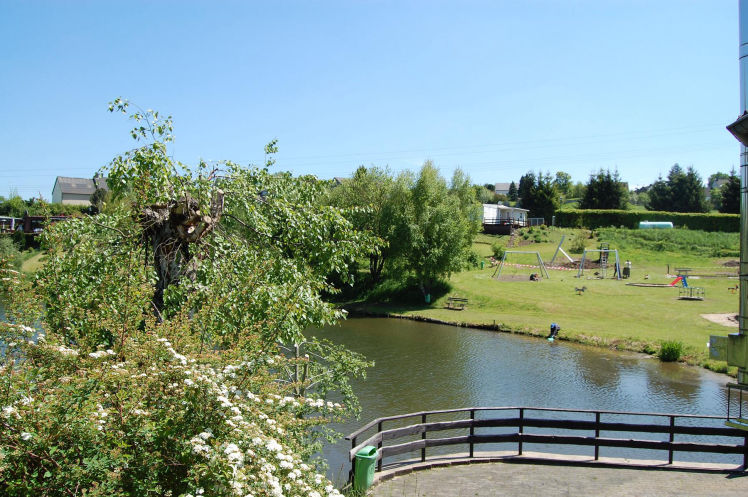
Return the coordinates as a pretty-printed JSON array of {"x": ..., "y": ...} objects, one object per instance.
[
  {"x": 497, "y": 249},
  {"x": 729, "y": 195},
  {"x": 694, "y": 242},
  {"x": 577, "y": 218},
  {"x": 212, "y": 390},
  {"x": 539, "y": 195},
  {"x": 682, "y": 192},
  {"x": 9, "y": 252},
  {"x": 670, "y": 351},
  {"x": 579, "y": 242},
  {"x": 15, "y": 206},
  {"x": 563, "y": 183},
  {"x": 512, "y": 193},
  {"x": 604, "y": 191},
  {"x": 426, "y": 227}
]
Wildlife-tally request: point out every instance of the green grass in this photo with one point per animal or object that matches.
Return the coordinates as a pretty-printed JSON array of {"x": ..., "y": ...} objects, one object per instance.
[
  {"x": 33, "y": 261},
  {"x": 609, "y": 313}
]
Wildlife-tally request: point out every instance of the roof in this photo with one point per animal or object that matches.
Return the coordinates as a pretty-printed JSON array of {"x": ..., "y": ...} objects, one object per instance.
[
  {"x": 504, "y": 207},
  {"x": 80, "y": 186},
  {"x": 502, "y": 186}
]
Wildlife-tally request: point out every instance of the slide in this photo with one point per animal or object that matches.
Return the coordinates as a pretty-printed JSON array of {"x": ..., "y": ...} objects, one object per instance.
[{"x": 676, "y": 280}]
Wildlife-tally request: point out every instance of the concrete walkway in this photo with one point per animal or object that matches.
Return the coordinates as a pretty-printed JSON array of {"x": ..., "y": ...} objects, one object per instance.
[{"x": 528, "y": 480}]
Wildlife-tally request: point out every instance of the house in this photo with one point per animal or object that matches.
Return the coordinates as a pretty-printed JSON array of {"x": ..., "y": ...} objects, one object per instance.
[
  {"x": 501, "y": 219},
  {"x": 501, "y": 188},
  {"x": 76, "y": 191}
]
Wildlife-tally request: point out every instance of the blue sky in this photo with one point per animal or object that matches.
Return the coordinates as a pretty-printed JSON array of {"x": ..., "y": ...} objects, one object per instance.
[{"x": 497, "y": 88}]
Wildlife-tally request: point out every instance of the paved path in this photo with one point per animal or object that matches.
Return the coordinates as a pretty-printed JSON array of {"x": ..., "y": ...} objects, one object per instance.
[{"x": 528, "y": 480}]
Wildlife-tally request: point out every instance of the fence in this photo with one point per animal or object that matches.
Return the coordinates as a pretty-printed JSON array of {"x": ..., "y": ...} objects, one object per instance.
[{"x": 532, "y": 425}]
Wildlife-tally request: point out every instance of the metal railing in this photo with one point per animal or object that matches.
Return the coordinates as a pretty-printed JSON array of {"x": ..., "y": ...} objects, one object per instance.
[{"x": 521, "y": 421}]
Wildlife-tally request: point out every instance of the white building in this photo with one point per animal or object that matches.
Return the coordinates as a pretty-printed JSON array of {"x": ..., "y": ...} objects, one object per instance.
[{"x": 501, "y": 219}]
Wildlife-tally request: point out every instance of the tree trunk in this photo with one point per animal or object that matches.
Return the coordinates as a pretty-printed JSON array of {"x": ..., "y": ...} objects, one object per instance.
[{"x": 169, "y": 231}]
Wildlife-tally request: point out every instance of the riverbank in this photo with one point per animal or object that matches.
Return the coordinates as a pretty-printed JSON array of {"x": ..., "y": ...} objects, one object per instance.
[{"x": 608, "y": 313}]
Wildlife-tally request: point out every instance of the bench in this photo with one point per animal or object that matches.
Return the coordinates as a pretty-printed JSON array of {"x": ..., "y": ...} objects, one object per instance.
[{"x": 457, "y": 303}]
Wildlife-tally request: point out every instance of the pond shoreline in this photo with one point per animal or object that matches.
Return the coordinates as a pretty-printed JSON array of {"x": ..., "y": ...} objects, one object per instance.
[{"x": 620, "y": 345}]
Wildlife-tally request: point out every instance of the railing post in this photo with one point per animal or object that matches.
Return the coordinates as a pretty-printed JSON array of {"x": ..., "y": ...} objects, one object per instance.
[
  {"x": 521, "y": 429},
  {"x": 597, "y": 435},
  {"x": 423, "y": 437},
  {"x": 353, "y": 462},
  {"x": 745, "y": 453},
  {"x": 671, "y": 438},
  {"x": 379, "y": 446},
  {"x": 472, "y": 430}
]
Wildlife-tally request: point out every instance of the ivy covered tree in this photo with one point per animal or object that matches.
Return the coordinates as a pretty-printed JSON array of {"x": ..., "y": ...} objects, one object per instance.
[
  {"x": 171, "y": 359},
  {"x": 604, "y": 191}
]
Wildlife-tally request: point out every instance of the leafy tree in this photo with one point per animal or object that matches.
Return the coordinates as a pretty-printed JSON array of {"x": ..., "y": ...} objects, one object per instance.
[
  {"x": 367, "y": 198},
  {"x": 577, "y": 190},
  {"x": 490, "y": 187},
  {"x": 172, "y": 360},
  {"x": 730, "y": 195},
  {"x": 712, "y": 181},
  {"x": 604, "y": 191},
  {"x": 563, "y": 183},
  {"x": 526, "y": 183},
  {"x": 441, "y": 226},
  {"x": 483, "y": 195},
  {"x": 682, "y": 192},
  {"x": 512, "y": 193},
  {"x": 541, "y": 197}
]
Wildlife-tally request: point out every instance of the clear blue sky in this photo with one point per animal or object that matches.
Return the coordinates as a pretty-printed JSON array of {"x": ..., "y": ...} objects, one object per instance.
[{"x": 495, "y": 87}]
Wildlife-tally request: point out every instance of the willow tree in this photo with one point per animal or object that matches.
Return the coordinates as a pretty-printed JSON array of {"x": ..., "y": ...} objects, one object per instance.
[{"x": 172, "y": 359}]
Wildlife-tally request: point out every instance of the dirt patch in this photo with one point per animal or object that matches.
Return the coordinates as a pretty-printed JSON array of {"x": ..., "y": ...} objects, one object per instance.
[
  {"x": 728, "y": 319},
  {"x": 732, "y": 263}
]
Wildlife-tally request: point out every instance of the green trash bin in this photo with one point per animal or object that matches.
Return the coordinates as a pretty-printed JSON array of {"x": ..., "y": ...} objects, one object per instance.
[
  {"x": 366, "y": 461},
  {"x": 427, "y": 298},
  {"x": 482, "y": 264}
]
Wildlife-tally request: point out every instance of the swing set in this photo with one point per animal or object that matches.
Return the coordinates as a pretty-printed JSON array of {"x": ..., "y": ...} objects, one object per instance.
[{"x": 541, "y": 266}]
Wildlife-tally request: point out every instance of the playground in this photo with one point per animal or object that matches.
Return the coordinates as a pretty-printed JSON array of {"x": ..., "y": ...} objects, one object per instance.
[{"x": 635, "y": 313}]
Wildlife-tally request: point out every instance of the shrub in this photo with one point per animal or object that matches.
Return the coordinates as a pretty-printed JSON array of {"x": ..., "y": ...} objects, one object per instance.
[
  {"x": 498, "y": 250},
  {"x": 578, "y": 243},
  {"x": 10, "y": 252},
  {"x": 670, "y": 351}
]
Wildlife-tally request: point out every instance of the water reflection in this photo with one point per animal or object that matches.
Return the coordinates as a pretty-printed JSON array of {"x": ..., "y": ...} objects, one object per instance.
[{"x": 422, "y": 366}]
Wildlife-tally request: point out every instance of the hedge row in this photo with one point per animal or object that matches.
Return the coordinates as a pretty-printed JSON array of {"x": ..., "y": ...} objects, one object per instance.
[{"x": 592, "y": 218}]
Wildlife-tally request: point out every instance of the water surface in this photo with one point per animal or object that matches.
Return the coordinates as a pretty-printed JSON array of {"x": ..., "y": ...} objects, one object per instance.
[{"x": 423, "y": 366}]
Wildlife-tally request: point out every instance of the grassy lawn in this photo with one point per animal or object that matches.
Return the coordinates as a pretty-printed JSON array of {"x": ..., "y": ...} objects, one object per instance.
[
  {"x": 609, "y": 313},
  {"x": 33, "y": 261}
]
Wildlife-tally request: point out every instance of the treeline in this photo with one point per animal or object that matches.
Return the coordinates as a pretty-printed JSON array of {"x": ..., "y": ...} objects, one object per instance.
[
  {"x": 15, "y": 206},
  {"x": 426, "y": 224},
  {"x": 681, "y": 191}
]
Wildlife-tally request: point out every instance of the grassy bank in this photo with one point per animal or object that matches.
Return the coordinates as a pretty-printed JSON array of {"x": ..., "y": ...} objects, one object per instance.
[{"x": 609, "y": 312}]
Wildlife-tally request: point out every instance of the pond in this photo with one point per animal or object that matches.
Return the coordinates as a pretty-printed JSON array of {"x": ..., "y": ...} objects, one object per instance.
[{"x": 423, "y": 366}]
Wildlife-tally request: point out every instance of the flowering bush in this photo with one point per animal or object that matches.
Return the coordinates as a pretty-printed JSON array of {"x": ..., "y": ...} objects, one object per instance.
[{"x": 130, "y": 369}]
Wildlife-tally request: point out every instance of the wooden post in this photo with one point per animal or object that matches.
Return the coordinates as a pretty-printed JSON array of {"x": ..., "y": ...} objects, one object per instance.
[
  {"x": 353, "y": 463},
  {"x": 379, "y": 445},
  {"x": 597, "y": 435},
  {"x": 423, "y": 437},
  {"x": 472, "y": 430},
  {"x": 671, "y": 438},
  {"x": 521, "y": 429}
]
